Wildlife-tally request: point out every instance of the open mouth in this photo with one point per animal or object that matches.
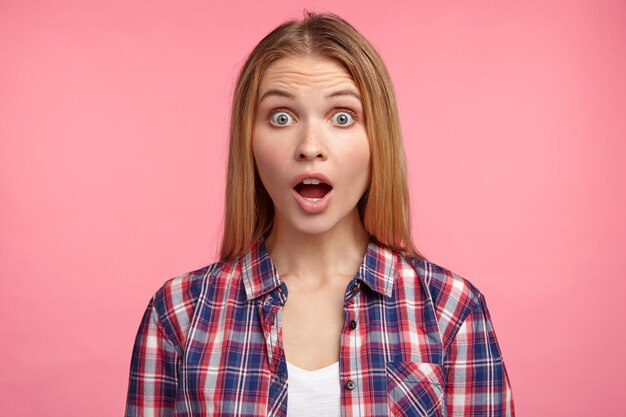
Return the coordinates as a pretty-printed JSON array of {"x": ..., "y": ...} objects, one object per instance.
[{"x": 312, "y": 189}]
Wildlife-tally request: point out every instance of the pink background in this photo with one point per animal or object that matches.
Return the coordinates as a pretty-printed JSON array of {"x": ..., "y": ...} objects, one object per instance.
[{"x": 113, "y": 128}]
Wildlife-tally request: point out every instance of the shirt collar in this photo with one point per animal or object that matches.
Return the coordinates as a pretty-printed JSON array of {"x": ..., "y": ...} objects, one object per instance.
[
  {"x": 377, "y": 270},
  {"x": 258, "y": 272}
]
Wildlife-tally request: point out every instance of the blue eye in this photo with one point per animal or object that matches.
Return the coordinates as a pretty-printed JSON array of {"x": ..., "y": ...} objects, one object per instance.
[
  {"x": 344, "y": 118},
  {"x": 280, "y": 118}
]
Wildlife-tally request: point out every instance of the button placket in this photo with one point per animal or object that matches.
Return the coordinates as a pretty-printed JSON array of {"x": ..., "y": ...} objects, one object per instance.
[
  {"x": 270, "y": 317},
  {"x": 351, "y": 315}
]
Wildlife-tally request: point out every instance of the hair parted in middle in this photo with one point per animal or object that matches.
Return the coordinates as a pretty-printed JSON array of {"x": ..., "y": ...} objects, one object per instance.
[{"x": 385, "y": 208}]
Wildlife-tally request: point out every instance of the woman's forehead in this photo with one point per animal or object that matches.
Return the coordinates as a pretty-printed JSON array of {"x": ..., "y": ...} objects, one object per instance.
[{"x": 304, "y": 71}]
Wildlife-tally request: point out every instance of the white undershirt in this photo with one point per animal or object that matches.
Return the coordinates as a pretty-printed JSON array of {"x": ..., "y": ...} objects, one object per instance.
[{"x": 313, "y": 393}]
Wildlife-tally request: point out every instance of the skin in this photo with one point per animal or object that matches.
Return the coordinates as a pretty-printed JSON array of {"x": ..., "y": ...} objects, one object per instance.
[{"x": 316, "y": 255}]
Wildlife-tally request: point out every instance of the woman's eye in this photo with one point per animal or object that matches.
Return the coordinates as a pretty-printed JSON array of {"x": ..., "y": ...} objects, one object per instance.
[
  {"x": 280, "y": 118},
  {"x": 343, "y": 118},
  {"x": 340, "y": 118}
]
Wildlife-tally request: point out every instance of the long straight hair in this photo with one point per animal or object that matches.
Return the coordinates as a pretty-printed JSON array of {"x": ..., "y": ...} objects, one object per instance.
[{"x": 384, "y": 209}]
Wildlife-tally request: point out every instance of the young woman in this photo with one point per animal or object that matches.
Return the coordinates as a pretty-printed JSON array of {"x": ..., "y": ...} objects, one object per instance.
[{"x": 320, "y": 304}]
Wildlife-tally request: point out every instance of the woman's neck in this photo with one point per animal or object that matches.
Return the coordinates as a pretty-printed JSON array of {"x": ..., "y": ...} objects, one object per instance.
[{"x": 315, "y": 259}]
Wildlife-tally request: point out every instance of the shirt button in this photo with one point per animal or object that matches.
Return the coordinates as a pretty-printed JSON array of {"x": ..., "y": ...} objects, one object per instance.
[
  {"x": 352, "y": 324},
  {"x": 350, "y": 385},
  {"x": 354, "y": 289}
]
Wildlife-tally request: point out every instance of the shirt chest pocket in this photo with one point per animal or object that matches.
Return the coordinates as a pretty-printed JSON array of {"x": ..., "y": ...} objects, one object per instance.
[{"x": 415, "y": 389}]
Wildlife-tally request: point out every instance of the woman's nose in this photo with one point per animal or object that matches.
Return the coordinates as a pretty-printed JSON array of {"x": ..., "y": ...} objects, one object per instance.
[{"x": 311, "y": 145}]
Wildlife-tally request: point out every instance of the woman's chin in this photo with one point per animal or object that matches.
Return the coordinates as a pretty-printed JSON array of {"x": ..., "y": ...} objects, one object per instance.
[{"x": 322, "y": 224}]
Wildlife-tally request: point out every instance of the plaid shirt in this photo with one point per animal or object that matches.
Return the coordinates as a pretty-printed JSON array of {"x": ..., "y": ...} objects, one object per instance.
[{"x": 417, "y": 340}]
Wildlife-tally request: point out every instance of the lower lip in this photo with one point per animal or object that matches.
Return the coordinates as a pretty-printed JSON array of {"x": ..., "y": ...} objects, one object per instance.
[{"x": 313, "y": 207}]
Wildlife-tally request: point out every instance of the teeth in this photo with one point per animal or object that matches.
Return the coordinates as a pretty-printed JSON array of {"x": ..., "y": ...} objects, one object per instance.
[
  {"x": 311, "y": 181},
  {"x": 312, "y": 199}
]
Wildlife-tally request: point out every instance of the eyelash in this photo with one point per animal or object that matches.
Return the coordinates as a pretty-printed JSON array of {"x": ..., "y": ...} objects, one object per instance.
[{"x": 355, "y": 118}]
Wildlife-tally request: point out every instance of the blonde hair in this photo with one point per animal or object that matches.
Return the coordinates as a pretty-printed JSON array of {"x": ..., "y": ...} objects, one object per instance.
[{"x": 384, "y": 209}]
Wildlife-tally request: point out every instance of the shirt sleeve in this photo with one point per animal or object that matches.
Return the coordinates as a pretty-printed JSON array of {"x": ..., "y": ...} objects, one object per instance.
[
  {"x": 477, "y": 383},
  {"x": 153, "y": 370}
]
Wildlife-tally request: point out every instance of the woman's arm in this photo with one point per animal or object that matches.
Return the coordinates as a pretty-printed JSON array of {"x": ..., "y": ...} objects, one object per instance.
[
  {"x": 153, "y": 370},
  {"x": 477, "y": 382}
]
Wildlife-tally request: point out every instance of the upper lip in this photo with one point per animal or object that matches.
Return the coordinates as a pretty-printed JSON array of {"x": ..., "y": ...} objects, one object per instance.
[{"x": 315, "y": 175}]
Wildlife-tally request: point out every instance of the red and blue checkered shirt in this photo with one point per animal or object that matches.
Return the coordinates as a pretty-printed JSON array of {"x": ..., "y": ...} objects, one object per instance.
[{"x": 417, "y": 340}]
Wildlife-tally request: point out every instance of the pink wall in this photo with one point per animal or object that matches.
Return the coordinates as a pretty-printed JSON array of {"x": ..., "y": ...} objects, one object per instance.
[{"x": 113, "y": 126}]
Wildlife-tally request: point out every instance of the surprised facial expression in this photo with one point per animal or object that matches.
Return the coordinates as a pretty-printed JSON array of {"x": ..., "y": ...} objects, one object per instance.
[{"x": 310, "y": 143}]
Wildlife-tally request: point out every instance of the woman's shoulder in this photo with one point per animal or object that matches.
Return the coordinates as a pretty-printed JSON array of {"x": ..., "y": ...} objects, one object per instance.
[
  {"x": 453, "y": 296},
  {"x": 443, "y": 283},
  {"x": 415, "y": 273},
  {"x": 185, "y": 288},
  {"x": 188, "y": 285},
  {"x": 175, "y": 301}
]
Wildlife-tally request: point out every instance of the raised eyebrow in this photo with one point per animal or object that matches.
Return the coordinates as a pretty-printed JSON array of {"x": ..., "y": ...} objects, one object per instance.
[
  {"x": 277, "y": 93},
  {"x": 344, "y": 93}
]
